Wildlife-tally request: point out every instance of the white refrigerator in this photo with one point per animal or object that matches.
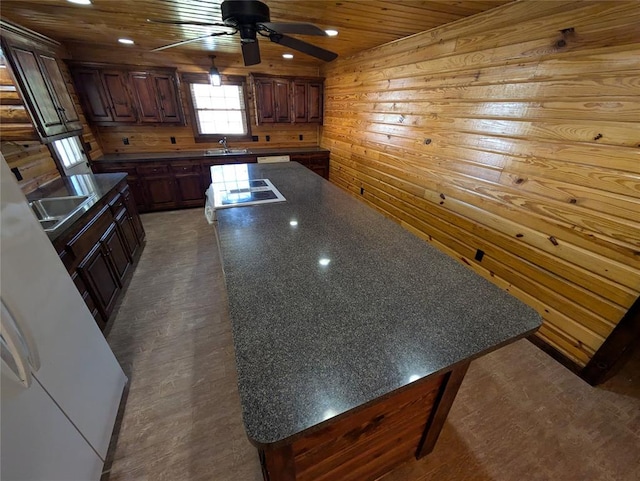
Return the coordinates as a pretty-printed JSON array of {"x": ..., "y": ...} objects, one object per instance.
[{"x": 61, "y": 385}]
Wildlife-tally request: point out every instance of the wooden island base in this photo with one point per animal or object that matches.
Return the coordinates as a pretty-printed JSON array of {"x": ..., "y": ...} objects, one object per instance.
[{"x": 369, "y": 441}]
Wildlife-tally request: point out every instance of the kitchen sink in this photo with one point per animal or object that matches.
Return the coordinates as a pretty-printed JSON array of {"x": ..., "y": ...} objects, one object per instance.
[
  {"x": 53, "y": 212},
  {"x": 228, "y": 151}
]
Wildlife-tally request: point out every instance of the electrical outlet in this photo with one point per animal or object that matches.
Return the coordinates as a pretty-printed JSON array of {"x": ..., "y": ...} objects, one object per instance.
[
  {"x": 301, "y": 137},
  {"x": 17, "y": 173},
  {"x": 268, "y": 138},
  {"x": 254, "y": 138},
  {"x": 125, "y": 140},
  {"x": 479, "y": 255},
  {"x": 173, "y": 140}
]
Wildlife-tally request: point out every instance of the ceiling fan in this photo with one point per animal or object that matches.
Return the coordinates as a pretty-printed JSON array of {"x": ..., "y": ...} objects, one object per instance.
[{"x": 251, "y": 18}]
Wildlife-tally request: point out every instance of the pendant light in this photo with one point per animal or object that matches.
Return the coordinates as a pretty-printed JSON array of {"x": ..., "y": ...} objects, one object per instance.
[{"x": 214, "y": 73}]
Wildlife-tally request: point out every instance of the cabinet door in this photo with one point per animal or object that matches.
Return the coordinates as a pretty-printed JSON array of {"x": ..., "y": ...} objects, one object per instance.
[
  {"x": 170, "y": 111},
  {"x": 314, "y": 101},
  {"x": 88, "y": 300},
  {"x": 121, "y": 109},
  {"x": 97, "y": 273},
  {"x": 160, "y": 192},
  {"x": 190, "y": 190},
  {"x": 65, "y": 104},
  {"x": 128, "y": 195},
  {"x": 126, "y": 227},
  {"x": 93, "y": 95},
  {"x": 265, "y": 101},
  {"x": 282, "y": 101},
  {"x": 299, "y": 102},
  {"x": 40, "y": 98},
  {"x": 116, "y": 250},
  {"x": 144, "y": 91}
]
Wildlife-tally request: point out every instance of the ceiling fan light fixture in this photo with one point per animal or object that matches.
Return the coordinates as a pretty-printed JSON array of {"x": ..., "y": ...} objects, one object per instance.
[
  {"x": 287, "y": 55},
  {"x": 214, "y": 74},
  {"x": 331, "y": 32}
]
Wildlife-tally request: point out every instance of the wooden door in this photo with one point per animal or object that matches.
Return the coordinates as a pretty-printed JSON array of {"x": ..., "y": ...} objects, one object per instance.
[
  {"x": 168, "y": 98},
  {"x": 282, "y": 94},
  {"x": 66, "y": 107},
  {"x": 144, "y": 91},
  {"x": 39, "y": 97},
  {"x": 314, "y": 101},
  {"x": 102, "y": 283},
  {"x": 265, "y": 101},
  {"x": 116, "y": 250},
  {"x": 115, "y": 85},
  {"x": 299, "y": 101},
  {"x": 93, "y": 96}
]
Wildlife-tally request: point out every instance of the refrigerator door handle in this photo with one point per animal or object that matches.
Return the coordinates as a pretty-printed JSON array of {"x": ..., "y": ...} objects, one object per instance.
[{"x": 15, "y": 350}]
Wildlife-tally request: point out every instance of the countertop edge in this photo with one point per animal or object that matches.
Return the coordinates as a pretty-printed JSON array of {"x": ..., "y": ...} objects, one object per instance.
[{"x": 317, "y": 427}]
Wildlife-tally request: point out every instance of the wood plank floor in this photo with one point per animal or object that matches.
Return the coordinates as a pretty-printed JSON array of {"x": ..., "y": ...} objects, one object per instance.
[{"x": 519, "y": 415}]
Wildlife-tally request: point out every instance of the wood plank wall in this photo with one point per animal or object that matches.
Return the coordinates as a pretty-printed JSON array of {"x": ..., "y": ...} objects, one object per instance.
[
  {"x": 514, "y": 132},
  {"x": 146, "y": 138},
  {"x": 19, "y": 141}
]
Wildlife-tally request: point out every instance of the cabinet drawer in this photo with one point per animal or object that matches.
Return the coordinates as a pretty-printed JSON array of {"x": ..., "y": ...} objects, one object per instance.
[
  {"x": 185, "y": 168},
  {"x": 91, "y": 234},
  {"x": 153, "y": 169},
  {"x": 117, "y": 204}
]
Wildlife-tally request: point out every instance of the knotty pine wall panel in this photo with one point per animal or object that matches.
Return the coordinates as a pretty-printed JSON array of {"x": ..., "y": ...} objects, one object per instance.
[
  {"x": 514, "y": 132},
  {"x": 144, "y": 138}
]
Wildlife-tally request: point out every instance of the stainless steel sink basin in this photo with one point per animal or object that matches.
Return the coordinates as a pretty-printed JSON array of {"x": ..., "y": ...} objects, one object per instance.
[
  {"x": 53, "y": 212},
  {"x": 228, "y": 152}
]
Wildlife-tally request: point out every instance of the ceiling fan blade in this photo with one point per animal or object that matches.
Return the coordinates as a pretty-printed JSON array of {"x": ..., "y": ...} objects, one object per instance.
[
  {"x": 174, "y": 22},
  {"x": 295, "y": 28},
  {"x": 251, "y": 53},
  {"x": 183, "y": 42},
  {"x": 303, "y": 47}
]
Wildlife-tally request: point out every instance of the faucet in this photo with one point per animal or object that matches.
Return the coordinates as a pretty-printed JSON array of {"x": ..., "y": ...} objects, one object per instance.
[{"x": 223, "y": 142}]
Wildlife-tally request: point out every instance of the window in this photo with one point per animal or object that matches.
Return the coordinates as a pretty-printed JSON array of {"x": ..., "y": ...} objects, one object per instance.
[
  {"x": 69, "y": 151},
  {"x": 219, "y": 111}
]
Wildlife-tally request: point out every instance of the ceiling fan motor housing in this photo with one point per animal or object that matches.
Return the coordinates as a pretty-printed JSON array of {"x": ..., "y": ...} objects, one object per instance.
[{"x": 236, "y": 13}]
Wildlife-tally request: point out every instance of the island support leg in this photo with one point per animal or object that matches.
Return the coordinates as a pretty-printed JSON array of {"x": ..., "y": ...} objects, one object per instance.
[{"x": 442, "y": 406}]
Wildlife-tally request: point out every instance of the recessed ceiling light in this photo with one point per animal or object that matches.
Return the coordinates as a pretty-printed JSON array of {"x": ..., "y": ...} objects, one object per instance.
[
  {"x": 80, "y": 2},
  {"x": 287, "y": 55},
  {"x": 126, "y": 41},
  {"x": 331, "y": 32}
]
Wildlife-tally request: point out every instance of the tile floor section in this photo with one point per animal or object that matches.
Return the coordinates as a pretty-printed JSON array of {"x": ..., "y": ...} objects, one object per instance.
[{"x": 519, "y": 415}]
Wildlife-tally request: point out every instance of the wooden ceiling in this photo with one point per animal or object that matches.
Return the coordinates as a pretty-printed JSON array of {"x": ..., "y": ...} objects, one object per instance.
[{"x": 362, "y": 24}]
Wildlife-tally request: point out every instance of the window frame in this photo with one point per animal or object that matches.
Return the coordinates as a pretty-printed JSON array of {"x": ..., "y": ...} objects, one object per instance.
[{"x": 192, "y": 78}]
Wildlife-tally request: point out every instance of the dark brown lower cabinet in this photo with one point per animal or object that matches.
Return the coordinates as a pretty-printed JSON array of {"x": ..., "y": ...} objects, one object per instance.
[
  {"x": 88, "y": 299},
  {"x": 128, "y": 196},
  {"x": 159, "y": 191},
  {"x": 100, "y": 249},
  {"x": 98, "y": 273},
  {"x": 116, "y": 251},
  {"x": 126, "y": 227},
  {"x": 165, "y": 184}
]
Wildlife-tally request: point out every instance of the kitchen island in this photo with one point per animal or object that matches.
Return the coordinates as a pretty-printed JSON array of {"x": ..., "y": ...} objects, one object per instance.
[{"x": 351, "y": 335}]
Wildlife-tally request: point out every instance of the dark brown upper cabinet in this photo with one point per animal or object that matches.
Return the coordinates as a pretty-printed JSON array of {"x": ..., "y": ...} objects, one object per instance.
[
  {"x": 115, "y": 94},
  {"x": 273, "y": 100},
  {"x": 287, "y": 99},
  {"x": 44, "y": 90},
  {"x": 119, "y": 100}
]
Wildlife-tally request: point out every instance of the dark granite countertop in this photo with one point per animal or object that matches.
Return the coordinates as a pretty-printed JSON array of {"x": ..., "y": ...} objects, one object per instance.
[
  {"x": 313, "y": 341},
  {"x": 201, "y": 154},
  {"x": 96, "y": 185}
]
